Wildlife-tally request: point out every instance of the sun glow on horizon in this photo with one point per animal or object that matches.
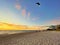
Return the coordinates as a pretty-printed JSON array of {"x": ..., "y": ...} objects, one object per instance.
[{"x": 6, "y": 26}]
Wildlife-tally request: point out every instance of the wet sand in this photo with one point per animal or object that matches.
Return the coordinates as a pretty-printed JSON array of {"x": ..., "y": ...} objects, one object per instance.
[{"x": 34, "y": 38}]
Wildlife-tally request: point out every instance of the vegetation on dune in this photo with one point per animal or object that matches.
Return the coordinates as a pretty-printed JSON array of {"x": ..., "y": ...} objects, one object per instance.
[
  {"x": 58, "y": 27},
  {"x": 54, "y": 27}
]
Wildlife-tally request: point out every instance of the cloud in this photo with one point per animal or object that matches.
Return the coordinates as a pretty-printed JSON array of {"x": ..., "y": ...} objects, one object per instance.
[
  {"x": 17, "y": 0},
  {"x": 24, "y": 12},
  {"x": 18, "y": 6},
  {"x": 28, "y": 15},
  {"x": 54, "y": 21},
  {"x": 35, "y": 18}
]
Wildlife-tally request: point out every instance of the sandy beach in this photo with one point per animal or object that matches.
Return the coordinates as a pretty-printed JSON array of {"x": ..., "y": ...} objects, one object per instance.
[{"x": 34, "y": 38}]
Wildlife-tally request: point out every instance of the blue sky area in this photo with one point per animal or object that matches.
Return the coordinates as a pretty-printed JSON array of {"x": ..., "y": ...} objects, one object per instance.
[{"x": 27, "y": 12}]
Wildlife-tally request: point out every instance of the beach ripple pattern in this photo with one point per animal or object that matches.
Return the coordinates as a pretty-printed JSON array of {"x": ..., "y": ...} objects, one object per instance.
[{"x": 37, "y": 38}]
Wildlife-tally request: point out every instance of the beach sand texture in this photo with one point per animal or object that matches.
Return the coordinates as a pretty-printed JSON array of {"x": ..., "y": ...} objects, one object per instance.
[{"x": 34, "y": 38}]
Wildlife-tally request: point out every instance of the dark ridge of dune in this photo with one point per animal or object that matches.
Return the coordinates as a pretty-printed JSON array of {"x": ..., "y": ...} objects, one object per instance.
[{"x": 33, "y": 38}]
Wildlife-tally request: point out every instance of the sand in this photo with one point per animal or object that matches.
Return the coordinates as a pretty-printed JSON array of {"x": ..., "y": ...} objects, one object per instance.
[{"x": 34, "y": 38}]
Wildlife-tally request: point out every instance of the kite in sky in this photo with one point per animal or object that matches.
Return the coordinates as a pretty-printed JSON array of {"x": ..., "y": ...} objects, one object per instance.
[{"x": 38, "y": 3}]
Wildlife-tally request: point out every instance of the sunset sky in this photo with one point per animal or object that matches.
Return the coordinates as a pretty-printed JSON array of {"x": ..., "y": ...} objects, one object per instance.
[{"x": 26, "y": 12}]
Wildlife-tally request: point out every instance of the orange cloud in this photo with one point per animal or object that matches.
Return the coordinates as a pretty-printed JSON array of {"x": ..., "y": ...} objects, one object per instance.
[
  {"x": 24, "y": 12},
  {"x": 55, "y": 21},
  {"x": 18, "y": 6}
]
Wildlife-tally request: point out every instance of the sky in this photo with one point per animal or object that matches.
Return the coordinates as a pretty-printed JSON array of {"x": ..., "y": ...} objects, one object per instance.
[{"x": 27, "y": 12}]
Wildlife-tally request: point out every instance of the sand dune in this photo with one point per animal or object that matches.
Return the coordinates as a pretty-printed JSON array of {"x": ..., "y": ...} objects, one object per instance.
[{"x": 36, "y": 38}]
